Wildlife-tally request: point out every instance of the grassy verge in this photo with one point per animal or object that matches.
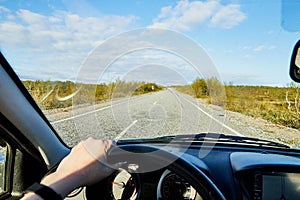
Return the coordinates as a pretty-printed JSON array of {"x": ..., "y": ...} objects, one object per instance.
[
  {"x": 57, "y": 94},
  {"x": 280, "y": 105}
]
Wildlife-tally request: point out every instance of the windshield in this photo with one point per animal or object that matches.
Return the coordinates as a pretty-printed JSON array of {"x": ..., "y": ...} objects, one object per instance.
[{"x": 144, "y": 69}]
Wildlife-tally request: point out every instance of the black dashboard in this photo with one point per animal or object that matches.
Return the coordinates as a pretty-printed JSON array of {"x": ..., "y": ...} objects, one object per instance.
[
  {"x": 160, "y": 184},
  {"x": 236, "y": 171},
  {"x": 267, "y": 176}
]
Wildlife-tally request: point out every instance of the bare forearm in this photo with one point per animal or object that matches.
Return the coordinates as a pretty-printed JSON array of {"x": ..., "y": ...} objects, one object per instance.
[{"x": 86, "y": 164}]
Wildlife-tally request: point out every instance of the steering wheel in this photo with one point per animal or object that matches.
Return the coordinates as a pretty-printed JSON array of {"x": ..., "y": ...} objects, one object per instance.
[{"x": 150, "y": 158}]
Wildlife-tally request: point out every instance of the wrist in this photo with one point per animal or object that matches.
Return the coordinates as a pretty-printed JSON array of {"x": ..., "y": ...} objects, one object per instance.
[
  {"x": 62, "y": 185},
  {"x": 39, "y": 191}
]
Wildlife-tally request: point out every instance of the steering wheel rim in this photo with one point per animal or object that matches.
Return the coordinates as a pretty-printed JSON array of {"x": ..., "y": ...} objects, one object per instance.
[{"x": 147, "y": 155}]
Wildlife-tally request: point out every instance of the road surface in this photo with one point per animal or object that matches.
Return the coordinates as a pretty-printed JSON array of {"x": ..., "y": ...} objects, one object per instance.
[{"x": 167, "y": 112}]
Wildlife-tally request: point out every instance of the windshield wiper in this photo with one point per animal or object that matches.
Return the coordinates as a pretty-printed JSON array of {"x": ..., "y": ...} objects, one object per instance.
[
  {"x": 163, "y": 139},
  {"x": 231, "y": 139},
  {"x": 206, "y": 139}
]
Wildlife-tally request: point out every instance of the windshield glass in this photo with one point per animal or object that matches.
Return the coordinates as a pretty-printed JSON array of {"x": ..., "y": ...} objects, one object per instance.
[{"x": 143, "y": 69}]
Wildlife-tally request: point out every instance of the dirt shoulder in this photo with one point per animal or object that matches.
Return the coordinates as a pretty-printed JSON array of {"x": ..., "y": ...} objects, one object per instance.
[{"x": 260, "y": 128}]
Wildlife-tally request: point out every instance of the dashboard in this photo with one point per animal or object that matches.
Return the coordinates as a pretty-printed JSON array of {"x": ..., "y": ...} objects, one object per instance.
[
  {"x": 267, "y": 176},
  {"x": 238, "y": 172},
  {"x": 276, "y": 185},
  {"x": 129, "y": 184}
]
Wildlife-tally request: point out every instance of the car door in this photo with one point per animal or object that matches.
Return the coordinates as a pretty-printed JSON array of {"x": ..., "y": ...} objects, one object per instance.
[{"x": 29, "y": 146}]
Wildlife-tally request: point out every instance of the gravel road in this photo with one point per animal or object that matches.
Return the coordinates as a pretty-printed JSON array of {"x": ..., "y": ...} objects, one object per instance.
[
  {"x": 167, "y": 112},
  {"x": 157, "y": 114}
]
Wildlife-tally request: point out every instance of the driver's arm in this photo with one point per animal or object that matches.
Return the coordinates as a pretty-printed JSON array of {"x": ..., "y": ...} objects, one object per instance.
[{"x": 86, "y": 164}]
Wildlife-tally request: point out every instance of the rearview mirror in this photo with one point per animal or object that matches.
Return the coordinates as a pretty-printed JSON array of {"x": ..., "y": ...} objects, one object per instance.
[{"x": 295, "y": 63}]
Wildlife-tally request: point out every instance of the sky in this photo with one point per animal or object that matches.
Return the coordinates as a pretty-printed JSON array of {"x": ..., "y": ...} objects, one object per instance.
[{"x": 240, "y": 42}]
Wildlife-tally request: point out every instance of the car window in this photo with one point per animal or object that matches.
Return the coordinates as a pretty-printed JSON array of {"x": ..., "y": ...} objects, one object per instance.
[
  {"x": 3, "y": 154},
  {"x": 143, "y": 70},
  {"x": 3, "y": 165}
]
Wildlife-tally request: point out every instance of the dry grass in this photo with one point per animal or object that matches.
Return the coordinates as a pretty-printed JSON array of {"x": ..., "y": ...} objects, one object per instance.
[
  {"x": 280, "y": 105},
  {"x": 50, "y": 95}
]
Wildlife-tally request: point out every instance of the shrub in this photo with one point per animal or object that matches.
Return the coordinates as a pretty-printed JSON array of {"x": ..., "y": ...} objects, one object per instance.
[{"x": 200, "y": 88}]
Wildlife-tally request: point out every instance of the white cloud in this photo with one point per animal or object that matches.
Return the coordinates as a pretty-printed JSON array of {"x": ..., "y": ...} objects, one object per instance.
[
  {"x": 228, "y": 16},
  {"x": 259, "y": 48},
  {"x": 188, "y": 15},
  {"x": 62, "y": 39},
  {"x": 31, "y": 18},
  {"x": 263, "y": 47},
  {"x": 4, "y": 10},
  {"x": 123, "y": 54}
]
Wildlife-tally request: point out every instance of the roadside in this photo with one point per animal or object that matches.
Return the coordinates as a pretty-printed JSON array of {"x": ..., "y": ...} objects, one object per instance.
[
  {"x": 260, "y": 128},
  {"x": 245, "y": 125}
]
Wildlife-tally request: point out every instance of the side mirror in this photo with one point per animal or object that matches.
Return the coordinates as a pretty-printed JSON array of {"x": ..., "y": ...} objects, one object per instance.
[{"x": 295, "y": 63}]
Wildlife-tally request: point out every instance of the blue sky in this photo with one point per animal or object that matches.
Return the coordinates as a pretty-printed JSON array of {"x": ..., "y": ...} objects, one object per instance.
[{"x": 51, "y": 40}]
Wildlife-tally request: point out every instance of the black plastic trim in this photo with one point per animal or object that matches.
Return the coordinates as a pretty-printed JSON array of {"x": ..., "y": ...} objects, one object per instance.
[
  {"x": 242, "y": 161},
  {"x": 294, "y": 69},
  {"x": 6, "y": 66},
  {"x": 13, "y": 136}
]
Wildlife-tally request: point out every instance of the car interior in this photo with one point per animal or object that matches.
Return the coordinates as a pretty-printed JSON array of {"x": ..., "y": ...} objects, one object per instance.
[
  {"x": 202, "y": 166},
  {"x": 189, "y": 166}
]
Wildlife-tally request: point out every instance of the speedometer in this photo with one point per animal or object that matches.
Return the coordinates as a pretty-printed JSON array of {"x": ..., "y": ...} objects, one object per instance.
[
  {"x": 125, "y": 184},
  {"x": 172, "y": 186}
]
